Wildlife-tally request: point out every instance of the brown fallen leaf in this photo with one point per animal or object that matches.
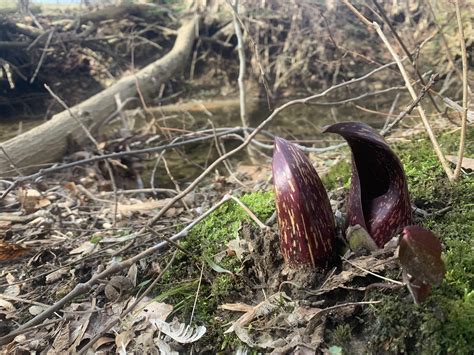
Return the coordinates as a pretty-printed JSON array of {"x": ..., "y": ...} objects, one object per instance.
[
  {"x": 261, "y": 309},
  {"x": 32, "y": 200},
  {"x": 368, "y": 262},
  {"x": 9, "y": 251}
]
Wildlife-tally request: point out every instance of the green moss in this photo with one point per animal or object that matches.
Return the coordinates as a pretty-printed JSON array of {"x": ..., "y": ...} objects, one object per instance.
[
  {"x": 338, "y": 176},
  {"x": 203, "y": 242},
  {"x": 444, "y": 323},
  {"x": 210, "y": 236},
  {"x": 221, "y": 286}
]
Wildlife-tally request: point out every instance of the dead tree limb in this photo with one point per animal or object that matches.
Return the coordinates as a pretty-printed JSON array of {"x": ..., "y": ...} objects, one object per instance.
[{"x": 48, "y": 142}]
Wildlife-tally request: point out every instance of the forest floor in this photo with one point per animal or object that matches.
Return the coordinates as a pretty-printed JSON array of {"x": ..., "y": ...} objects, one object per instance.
[
  {"x": 207, "y": 275},
  {"x": 224, "y": 282}
]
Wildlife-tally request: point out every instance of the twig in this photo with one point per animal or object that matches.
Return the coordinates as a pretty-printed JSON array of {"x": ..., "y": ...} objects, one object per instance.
[
  {"x": 140, "y": 191},
  {"x": 410, "y": 107},
  {"x": 421, "y": 111},
  {"x": 373, "y": 274},
  {"x": 197, "y": 295},
  {"x": 357, "y": 13},
  {"x": 226, "y": 163},
  {"x": 443, "y": 39},
  {"x": 257, "y": 57},
  {"x": 12, "y": 163},
  {"x": 392, "y": 108},
  {"x": 27, "y": 330},
  {"x": 250, "y": 213},
  {"x": 241, "y": 53},
  {"x": 43, "y": 55},
  {"x": 357, "y": 98},
  {"x": 316, "y": 316},
  {"x": 173, "y": 180},
  {"x": 462, "y": 140},
  {"x": 242, "y": 67},
  {"x": 22, "y": 300}
]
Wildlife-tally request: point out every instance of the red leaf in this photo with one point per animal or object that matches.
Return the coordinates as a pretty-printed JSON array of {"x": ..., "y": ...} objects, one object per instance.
[
  {"x": 420, "y": 255},
  {"x": 307, "y": 230},
  {"x": 378, "y": 197}
]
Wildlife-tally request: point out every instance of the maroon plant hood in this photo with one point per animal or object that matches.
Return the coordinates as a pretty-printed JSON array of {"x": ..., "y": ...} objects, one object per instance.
[
  {"x": 378, "y": 196},
  {"x": 305, "y": 219}
]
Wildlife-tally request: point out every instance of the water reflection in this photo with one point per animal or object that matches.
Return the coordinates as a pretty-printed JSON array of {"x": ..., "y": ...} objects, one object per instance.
[{"x": 301, "y": 123}]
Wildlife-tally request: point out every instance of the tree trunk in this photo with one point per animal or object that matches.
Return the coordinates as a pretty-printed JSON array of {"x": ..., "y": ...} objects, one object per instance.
[{"x": 48, "y": 143}]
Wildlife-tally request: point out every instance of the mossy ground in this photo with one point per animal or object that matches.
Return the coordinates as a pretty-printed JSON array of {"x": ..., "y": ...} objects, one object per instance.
[
  {"x": 443, "y": 324},
  {"x": 205, "y": 241}
]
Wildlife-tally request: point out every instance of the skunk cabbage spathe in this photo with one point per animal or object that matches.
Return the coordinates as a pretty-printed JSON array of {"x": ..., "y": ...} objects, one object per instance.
[
  {"x": 378, "y": 196},
  {"x": 307, "y": 229}
]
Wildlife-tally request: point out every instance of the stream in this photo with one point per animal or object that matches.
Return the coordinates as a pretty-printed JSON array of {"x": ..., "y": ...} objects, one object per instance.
[{"x": 301, "y": 122}]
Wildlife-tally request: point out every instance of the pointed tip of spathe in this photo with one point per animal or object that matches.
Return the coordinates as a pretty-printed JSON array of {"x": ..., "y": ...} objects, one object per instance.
[
  {"x": 281, "y": 144},
  {"x": 279, "y": 141}
]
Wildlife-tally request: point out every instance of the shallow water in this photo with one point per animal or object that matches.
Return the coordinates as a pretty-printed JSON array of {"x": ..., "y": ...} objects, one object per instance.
[{"x": 301, "y": 122}]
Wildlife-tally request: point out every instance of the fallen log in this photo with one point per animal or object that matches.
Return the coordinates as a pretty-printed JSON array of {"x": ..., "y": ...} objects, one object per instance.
[{"x": 48, "y": 142}]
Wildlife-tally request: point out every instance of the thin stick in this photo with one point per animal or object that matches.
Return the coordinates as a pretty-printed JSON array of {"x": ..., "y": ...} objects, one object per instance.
[
  {"x": 22, "y": 300},
  {"x": 462, "y": 140},
  {"x": 197, "y": 295},
  {"x": 241, "y": 53},
  {"x": 443, "y": 39},
  {"x": 242, "y": 68},
  {"x": 357, "y": 13},
  {"x": 257, "y": 57},
  {"x": 410, "y": 107},
  {"x": 250, "y": 213},
  {"x": 43, "y": 55},
  {"x": 373, "y": 274},
  {"x": 421, "y": 111},
  {"x": 226, "y": 163},
  {"x": 325, "y": 310},
  {"x": 12, "y": 163},
  {"x": 141, "y": 191}
]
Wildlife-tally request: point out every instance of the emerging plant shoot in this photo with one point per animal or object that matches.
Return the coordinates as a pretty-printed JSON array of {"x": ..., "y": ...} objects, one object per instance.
[
  {"x": 307, "y": 229},
  {"x": 378, "y": 196}
]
